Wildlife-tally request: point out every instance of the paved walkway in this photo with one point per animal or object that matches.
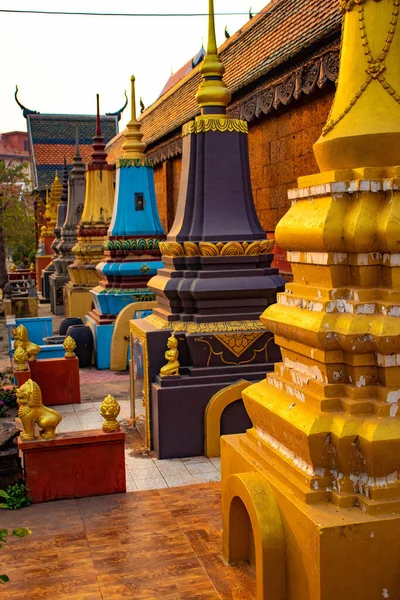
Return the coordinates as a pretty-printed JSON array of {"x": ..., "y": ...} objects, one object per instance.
[
  {"x": 143, "y": 470},
  {"x": 154, "y": 545}
]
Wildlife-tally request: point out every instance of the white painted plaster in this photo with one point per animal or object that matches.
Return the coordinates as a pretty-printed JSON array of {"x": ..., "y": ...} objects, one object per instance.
[{"x": 291, "y": 456}]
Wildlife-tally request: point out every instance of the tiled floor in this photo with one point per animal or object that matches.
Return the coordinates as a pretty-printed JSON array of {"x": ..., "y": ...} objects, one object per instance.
[
  {"x": 143, "y": 470},
  {"x": 155, "y": 545}
]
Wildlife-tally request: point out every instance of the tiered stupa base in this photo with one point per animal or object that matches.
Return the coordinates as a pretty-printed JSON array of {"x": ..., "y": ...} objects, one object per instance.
[
  {"x": 302, "y": 550},
  {"x": 213, "y": 353},
  {"x": 57, "y": 283},
  {"x": 318, "y": 474},
  {"x": 122, "y": 295}
]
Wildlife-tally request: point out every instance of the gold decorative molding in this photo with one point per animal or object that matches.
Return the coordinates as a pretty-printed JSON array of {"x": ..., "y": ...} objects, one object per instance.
[
  {"x": 135, "y": 162},
  {"x": 204, "y": 124},
  {"x": 135, "y": 331},
  {"x": 174, "y": 249},
  {"x": 213, "y": 352},
  {"x": 348, "y": 5},
  {"x": 238, "y": 343},
  {"x": 219, "y": 326}
]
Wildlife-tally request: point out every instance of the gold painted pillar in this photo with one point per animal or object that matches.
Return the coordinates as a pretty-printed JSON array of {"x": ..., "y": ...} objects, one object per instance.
[{"x": 324, "y": 450}]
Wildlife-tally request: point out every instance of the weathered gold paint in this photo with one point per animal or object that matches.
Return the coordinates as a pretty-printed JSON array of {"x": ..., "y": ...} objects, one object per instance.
[{"x": 326, "y": 430}]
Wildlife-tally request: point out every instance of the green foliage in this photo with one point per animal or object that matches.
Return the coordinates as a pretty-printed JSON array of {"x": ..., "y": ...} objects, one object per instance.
[
  {"x": 8, "y": 396},
  {"x": 4, "y": 533},
  {"x": 17, "y": 215},
  {"x": 15, "y": 496}
]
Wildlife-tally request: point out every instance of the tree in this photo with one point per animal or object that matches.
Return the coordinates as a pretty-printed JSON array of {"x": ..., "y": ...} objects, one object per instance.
[{"x": 17, "y": 218}]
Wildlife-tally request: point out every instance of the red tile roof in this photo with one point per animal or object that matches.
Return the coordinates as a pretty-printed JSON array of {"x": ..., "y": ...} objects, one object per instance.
[
  {"x": 185, "y": 70},
  {"x": 276, "y": 35},
  {"x": 281, "y": 31}
]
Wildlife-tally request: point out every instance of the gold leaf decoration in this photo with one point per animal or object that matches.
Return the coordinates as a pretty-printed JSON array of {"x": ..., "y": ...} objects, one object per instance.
[
  {"x": 204, "y": 124},
  {"x": 238, "y": 343},
  {"x": 191, "y": 249},
  {"x": 252, "y": 249},
  {"x": 267, "y": 246},
  {"x": 232, "y": 249},
  {"x": 172, "y": 249},
  {"x": 208, "y": 249}
]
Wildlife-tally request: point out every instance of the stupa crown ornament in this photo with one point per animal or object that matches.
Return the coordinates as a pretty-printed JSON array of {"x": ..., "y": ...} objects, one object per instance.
[
  {"x": 78, "y": 166},
  {"x": 99, "y": 156},
  {"x": 133, "y": 146},
  {"x": 363, "y": 128},
  {"x": 213, "y": 96}
]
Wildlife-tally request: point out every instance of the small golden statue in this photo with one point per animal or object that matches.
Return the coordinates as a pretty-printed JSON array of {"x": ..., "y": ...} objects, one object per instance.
[
  {"x": 109, "y": 410},
  {"x": 13, "y": 268},
  {"x": 32, "y": 268},
  {"x": 22, "y": 341},
  {"x": 31, "y": 411},
  {"x": 20, "y": 358},
  {"x": 69, "y": 346},
  {"x": 171, "y": 355}
]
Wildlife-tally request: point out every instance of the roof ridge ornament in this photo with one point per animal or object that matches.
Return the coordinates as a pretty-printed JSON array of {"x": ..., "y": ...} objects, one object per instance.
[
  {"x": 118, "y": 113},
  {"x": 213, "y": 95},
  {"x": 25, "y": 111},
  {"x": 133, "y": 147}
]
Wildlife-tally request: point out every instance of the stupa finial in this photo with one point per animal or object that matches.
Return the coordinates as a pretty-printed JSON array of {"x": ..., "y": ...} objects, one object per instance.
[
  {"x": 77, "y": 164},
  {"x": 213, "y": 96},
  {"x": 64, "y": 192},
  {"x": 98, "y": 154},
  {"x": 133, "y": 146}
]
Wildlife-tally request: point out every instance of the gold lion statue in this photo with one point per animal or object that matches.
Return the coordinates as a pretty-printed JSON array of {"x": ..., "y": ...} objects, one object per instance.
[
  {"x": 22, "y": 341},
  {"x": 31, "y": 411}
]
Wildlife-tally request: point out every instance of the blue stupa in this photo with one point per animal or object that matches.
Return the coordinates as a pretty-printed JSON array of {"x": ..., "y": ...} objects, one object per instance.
[{"x": 131, "y": 252}]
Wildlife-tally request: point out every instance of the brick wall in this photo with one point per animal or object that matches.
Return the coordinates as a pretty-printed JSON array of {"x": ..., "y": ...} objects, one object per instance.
[{"x": 280, "y": 151}]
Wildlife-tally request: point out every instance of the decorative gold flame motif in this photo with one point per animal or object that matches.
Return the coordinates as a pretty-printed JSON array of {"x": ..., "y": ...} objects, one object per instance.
[
  {"x": 110, "y": 410},
  {"x": 69, "y": 346}
]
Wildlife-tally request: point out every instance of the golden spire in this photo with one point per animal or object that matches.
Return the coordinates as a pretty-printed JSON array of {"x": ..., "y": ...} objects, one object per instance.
[
  {"x": 363, "y": 129},
  {"x": 212, "y": 90},
  {"x": 133, "y": 146}
]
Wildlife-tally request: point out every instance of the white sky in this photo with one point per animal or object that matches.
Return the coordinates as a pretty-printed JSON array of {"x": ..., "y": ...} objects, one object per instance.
[{"x": 61, "y": 62}]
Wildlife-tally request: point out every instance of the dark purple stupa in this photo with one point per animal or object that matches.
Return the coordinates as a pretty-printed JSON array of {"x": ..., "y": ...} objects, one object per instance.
[{"x": 216, "y": 281}]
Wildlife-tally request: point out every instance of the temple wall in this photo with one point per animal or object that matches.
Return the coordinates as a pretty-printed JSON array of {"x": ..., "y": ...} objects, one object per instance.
[{"x": 280, "y": 150}]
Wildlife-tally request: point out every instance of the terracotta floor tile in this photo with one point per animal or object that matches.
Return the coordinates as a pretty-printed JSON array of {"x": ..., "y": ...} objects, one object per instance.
[{"x": 150, "y": 545}]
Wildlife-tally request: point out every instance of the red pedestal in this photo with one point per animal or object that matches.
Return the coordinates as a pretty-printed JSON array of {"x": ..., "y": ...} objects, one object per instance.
[
  {"x": 22, "y": 377},
  {"x": 41, "y": 263},
  {"x": 75, "y": 465},
  {"x": 58, "y": 379},
  {"x": 16, "y": 275}
]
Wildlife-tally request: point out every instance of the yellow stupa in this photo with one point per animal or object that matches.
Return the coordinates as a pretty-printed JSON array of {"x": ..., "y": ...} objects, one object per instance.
[
  {"x": 312, "y": 492},
  {"x": 52, "y": 201},
  {"x": 92, "y": 229}
]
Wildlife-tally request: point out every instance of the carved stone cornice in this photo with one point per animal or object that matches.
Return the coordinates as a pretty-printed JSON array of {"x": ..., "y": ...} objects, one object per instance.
[
  {"x": 303, "y": 79},
  {"x": 165, "y": 151}
]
